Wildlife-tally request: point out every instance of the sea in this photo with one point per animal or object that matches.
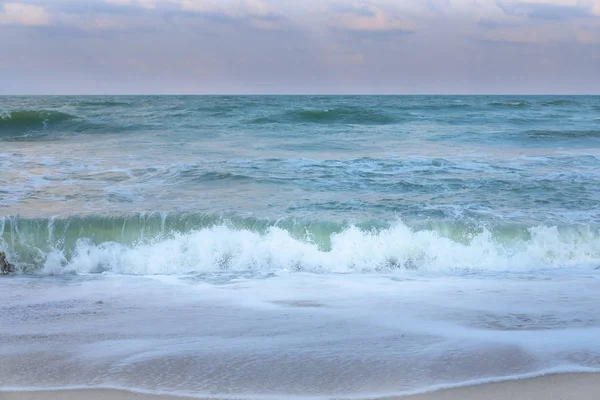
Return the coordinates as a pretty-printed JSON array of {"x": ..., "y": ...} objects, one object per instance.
[{"x": 301, "y": 247}]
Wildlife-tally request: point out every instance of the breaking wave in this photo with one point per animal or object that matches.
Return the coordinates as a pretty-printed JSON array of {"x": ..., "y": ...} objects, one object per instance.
[
  {"x": 179, "y": 245},
  {"x": 31, "y": 121},
  {"x": 27, "y": 125}
]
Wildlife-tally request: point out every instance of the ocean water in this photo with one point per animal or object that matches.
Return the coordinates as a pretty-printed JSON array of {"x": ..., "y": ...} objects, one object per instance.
[{"x": 298, "y": 246}]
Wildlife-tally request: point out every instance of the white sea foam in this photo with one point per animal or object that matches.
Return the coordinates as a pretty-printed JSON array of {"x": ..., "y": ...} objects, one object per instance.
[
  {"x": 294, "y": 336},
  {"x": 375, "y": 395},
  {"x": 352, "y": 250}
]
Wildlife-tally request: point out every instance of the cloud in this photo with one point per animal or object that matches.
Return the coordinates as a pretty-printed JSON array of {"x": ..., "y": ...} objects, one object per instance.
[
  {"x": 71, "y": 23},
  {"x": 257, "y": 13},
  {"x": 492, "y": 24},
  {"x": 369, "y": 20},
  {"x": 359, "y": 10},
  {"x": 148, "y": 4},
  {"x": 301, "y": 45},
  {"x": 24, "y": 14},
  {"x": 551, "y": 10}
]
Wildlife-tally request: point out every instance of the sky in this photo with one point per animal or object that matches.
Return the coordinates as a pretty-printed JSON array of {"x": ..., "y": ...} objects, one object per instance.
[{"x": 300, "y": 46}]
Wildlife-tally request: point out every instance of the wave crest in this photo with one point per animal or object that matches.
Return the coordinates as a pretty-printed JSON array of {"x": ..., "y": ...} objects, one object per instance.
[
  {"x": 252, "y": 245},
  {"x": 32, "y": 120},
  {"x": 34, "y": 124}
]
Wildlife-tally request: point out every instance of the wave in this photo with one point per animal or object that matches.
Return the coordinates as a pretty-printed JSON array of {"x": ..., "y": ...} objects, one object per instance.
[
  {"x": 103, "y": 103},
  {"x": 509, "y": 104},
  {"x": 24, "y": 121},
  {"x": 214, "y": 176},
  {"x": 434, "y": 107},
  {"x": 560, "y": 102},
  {"x": 343, "y": 115},
  {"x": 31, "y": 125},
  {"x": 562, "y": 134},
  {"x": 189, "y": 244}
]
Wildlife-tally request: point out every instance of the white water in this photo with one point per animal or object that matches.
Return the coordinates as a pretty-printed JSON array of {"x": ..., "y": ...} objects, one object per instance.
[
  {"x": 296, "y": 335},
  {"x": 352, "y": 250}
]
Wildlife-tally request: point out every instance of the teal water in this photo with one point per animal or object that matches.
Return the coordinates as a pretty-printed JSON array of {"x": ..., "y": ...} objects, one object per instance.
[{"x": 515, "y": 178}]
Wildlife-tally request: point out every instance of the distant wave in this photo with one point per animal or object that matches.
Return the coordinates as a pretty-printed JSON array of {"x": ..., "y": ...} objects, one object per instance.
[
  {"x": 103, "y": 103},
  {"x": 31, "y": 125},
  {"x": 562, "y": 134},
  {"x": 187, "y": 244},
  {"x": 220, "y": 176},
  {"x": 433, "y": 107},
  {"x": 509, "y": 104},
  {"x": 342, "y": 115},
  {"x": 191, "y": 174},
  {"x": 561, "y": 102},
  {"x": 32, "y": 119}
]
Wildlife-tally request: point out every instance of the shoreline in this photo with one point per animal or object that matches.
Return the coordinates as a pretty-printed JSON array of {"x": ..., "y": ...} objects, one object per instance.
[{"x": 572, "y": 386}]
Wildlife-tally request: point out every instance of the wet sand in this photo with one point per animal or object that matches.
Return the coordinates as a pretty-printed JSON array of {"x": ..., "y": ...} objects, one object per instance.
[{"x": 549, "y": 387}]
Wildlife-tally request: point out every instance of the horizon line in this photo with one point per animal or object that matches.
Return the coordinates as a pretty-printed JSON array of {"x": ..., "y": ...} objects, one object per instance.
[{"x": 294, "y": 94}]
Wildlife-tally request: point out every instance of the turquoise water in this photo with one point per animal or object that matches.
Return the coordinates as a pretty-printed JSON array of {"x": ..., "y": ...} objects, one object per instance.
[
  {"x": 293, "y": 247},
  {"x": 513, "y": 177}
]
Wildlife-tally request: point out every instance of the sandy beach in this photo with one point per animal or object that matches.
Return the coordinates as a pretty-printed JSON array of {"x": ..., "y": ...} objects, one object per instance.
[{"x": 550, "y": 387}]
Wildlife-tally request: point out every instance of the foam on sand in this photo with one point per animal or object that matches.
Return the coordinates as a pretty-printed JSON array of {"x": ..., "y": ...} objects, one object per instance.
[{"x": 572, "y": 386}]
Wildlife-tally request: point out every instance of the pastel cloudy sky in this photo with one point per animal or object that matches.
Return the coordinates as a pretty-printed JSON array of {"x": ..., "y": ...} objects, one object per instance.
[{"x": 300, "y": 46}]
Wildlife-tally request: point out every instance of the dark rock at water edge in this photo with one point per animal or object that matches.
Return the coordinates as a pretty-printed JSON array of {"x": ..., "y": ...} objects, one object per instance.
[{"x": 5, "y": 267}]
